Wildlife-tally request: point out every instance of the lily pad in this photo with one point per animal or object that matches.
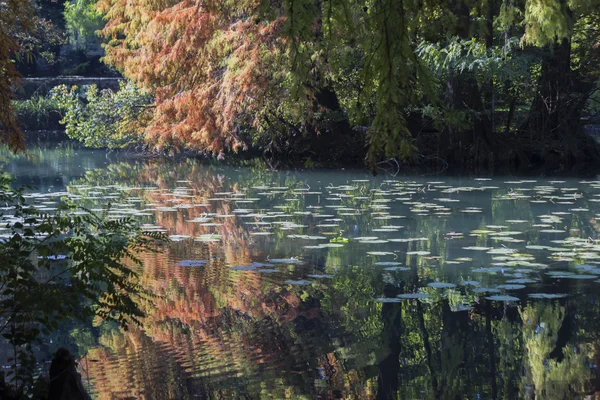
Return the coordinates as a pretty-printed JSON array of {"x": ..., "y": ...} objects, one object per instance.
[
  {"x": 503, "y": 298},
  {"x": 441, "y": 285},
  {"x": 547, "y": 295},
  {"x": 413, "y": 296},
  {"x": 192, "y": 263}
]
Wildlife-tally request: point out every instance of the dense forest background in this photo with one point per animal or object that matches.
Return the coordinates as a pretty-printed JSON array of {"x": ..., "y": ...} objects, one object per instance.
[{"x": 473, "y": 85}]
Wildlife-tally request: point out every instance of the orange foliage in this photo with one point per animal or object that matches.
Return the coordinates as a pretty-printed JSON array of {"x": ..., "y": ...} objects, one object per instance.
[
  {"x": 15, "y": 15},
  {"x": 206, "y": 62}
]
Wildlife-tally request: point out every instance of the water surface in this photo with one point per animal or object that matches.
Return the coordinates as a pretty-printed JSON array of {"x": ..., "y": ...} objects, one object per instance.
[{"x": 337, "y": 284}]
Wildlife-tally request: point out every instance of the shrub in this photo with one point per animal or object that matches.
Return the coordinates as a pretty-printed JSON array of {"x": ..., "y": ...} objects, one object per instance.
[
  {"x": 103, "y": 118},
  {"x": 65, "y": 266},
  {"x": 38, "y": 112}
]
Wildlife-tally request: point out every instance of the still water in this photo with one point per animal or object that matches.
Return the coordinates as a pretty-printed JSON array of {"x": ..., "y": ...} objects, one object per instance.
[{"x": 337, "y": 284}]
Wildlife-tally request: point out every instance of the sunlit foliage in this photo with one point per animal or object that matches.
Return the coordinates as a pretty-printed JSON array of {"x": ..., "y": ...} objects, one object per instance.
[
  {"x": 82, "y": 21},
  {"x": 103, "y": 118}
]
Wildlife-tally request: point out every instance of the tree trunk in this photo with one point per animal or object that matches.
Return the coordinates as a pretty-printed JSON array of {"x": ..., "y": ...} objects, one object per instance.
[
  {"x": 553, "y": 134},
  {"x": 470, "y": 147},
  {"x": 389, "y": 367}
]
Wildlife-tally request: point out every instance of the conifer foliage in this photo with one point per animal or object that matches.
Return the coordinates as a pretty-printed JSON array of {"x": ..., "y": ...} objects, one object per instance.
[
  {"x": 219, "y": 68},
  {"x": 411, "y": 79},
  {"x": 15, "y": 17}
]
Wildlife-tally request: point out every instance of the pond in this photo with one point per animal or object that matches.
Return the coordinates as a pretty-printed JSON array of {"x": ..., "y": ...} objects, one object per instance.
[{"x": 338, "y": 284}]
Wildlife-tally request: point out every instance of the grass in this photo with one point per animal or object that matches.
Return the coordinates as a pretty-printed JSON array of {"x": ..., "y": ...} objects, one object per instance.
[{"x": 38, "y": 112}]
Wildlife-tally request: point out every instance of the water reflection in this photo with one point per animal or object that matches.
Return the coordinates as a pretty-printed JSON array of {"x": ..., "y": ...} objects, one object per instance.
[{"x": 340, "y": 285}]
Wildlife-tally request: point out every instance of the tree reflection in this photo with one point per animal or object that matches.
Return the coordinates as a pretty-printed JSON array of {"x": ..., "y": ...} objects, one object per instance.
[{"x": 218, "y": 332}]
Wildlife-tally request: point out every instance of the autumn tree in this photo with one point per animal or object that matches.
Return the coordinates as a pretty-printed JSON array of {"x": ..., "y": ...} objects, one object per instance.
[
  {"x": 227, "y": 76},
  {"x": 218, "y": 69},
  {"x": 15, "y": 17}
]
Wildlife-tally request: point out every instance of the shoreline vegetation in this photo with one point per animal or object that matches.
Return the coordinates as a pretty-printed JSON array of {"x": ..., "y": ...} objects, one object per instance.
[
  {"x": 58, "y": 266},
  {"x": 479, "y": 88},
  {"x": 441, "y": 87},
  {"x": 115, "y": 119}
]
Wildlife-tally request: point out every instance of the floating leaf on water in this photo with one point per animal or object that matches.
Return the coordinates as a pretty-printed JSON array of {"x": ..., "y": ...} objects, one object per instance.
[
  {"x": 325, "y": 246},
  {"x": 476, "y": 248},
  {"x": 489, "y": 270},
  {"x": 521, "y": 281},
  {"x": 503, "y": 250},
  {"x": 178, "y": 238},
  {"x": 208, "y": 238},
  {"x": 320, "y": 276},
  {"x": 441, "y": 285},
  {"x": 506, "y": 233},
  {"x": 535, "y": 247},
  {"x": 403, "y": 240},
  {"x": 260, "y": 265},
  {"x": 376, "y": 241},
  {"x": 388, "y": 263},
  {"x": 413, "y": 296},
  {"x": 267, "y": 271},
  {"x": 396, "y": 269},
  {"x": 547, "y": 295},
  {"x": 192, "y": 263},
  {"x": 486, "y": 290},
  {"x": 243, "y": 268},
  {"x": 379, "y": 253},
  {"x": 507, "y": 239},
  {"x": 166, "y": 209},
  {"x": 502, "y": 298},
  {"x": 559, "y": 273},
  {"x": 511, "y": 287},
  {"x": 461, "y": 307},
  {"x": 306, "y": 237},
  {"x": 590, "y": 269},
  {"x": 366, "y": 238},
  {"x": 418, "y": 253},
  {"x": 284, "y": 261},
  {"x": 387, "y": 300},
  {"x": 470, "y": 283},
  {"x": 482, "y": 231},
  {"x": 298, "y": 282}
]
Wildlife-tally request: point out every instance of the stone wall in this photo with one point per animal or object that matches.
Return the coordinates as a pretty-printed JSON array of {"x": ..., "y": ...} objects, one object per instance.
[{"x": 41, "y": 86}]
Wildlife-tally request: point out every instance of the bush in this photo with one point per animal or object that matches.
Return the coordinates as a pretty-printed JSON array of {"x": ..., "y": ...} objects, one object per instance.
[
  {"x": 39, "y": 112},
  {"x": 103, "y": 118},
  {"x": 65, "y": 266}
]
